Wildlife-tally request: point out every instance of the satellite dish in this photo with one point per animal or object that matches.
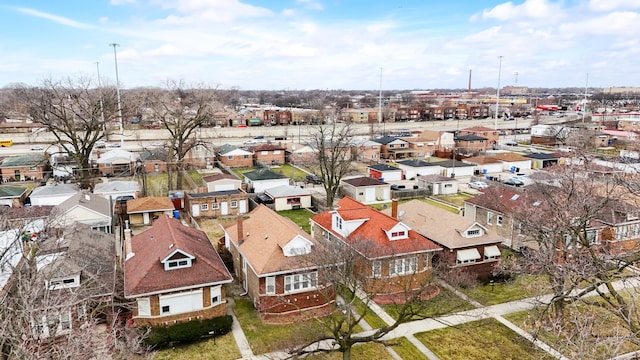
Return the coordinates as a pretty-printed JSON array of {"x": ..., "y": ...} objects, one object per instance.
[{"x": 400, "y": 214}]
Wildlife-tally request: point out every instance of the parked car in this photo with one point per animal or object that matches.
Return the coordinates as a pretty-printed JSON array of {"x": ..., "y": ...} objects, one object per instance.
[
  {"x": 514, "y": 182},
  {"x": 397, "y": 187},
  {"x": 250, "y": 142},
  {"x": 511, "y": 143},
  {"x": 532, "y": 150},
  {"x": 314, "y": 179},
  {"x": 478, "y": 185},
  {"x": 37, "y": 148},
  {"x": 114, "y": 145}
]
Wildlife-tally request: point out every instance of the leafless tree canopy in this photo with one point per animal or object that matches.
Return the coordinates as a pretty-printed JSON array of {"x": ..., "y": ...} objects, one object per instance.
[
  {"x": 572, "y": 222},
  {"x": 333, "y": 142},
  {"x": 75, "y": 112},
  {"x": 182, "y": 111}
]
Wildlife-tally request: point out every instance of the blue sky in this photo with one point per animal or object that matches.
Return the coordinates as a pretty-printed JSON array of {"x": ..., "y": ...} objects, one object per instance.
[{"x": 324, "y": 44}]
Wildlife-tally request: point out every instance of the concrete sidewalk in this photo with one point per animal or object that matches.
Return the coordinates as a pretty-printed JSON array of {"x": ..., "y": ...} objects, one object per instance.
[{"x": 238, "y": 334}]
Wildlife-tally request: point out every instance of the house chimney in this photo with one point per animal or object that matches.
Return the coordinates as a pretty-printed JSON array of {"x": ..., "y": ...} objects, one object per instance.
[
  {"x": 394, "y": 208},
  {"x": 240, "y": 230},
  {"x": 128, "y": 251}
]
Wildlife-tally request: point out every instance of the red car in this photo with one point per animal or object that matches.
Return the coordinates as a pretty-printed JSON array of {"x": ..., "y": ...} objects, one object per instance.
[{"x": 242, "y": 126}]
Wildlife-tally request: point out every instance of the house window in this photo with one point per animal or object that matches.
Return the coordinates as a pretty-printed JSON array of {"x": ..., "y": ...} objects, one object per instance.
[
  {"x": 474, "y": 232},
  {"x": 592, "y": 237},
  {"x": 234, "y": 204},
  {"x": 107, "y": 165},
  {"x": 230, "y": 157},
  {"x": 376, "y": 268},
  {"x": 177, "y": 264},
  {"x": 166, "y": 309},
  {"x": 326, "y": 236},
  {"x": 270, "y": 285},
  {"x": 403, "y": 266},
  {"x": 489, "y": 217},
  {"x": 264, "y": 153},
  {"x": 204, "y": 207},
  {"x": 293, "y": 201},
  {"x": 300, "y": 282},
  {"x": 246, "y": 157},
  {"x": 276, "y": 152},
  {"x": 339, "y": 223},
  {"x": 215, "y": 206},
  {"x": 499, "y": 220},
  {"x": 426, "y": 261},
  {"x": 64, "y": 283}
]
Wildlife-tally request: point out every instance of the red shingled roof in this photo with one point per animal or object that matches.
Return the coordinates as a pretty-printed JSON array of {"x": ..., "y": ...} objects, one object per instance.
[
  {"x": 370, "y": 238},
  {"x": 144, "y": 273}
]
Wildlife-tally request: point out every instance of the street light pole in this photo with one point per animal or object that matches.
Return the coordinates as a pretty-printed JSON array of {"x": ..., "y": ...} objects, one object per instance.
[{"x": 115, "y": 57}]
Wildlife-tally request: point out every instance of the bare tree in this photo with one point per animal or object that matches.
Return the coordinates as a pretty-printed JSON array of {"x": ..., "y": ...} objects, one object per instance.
[
  {"x": 60, "y": 290},
  {"x": 333, "y": 144},
  {"x": 182, "y": 112},
  {"x": 350, "y": 272},
  {"x": 75, "y": 112},
  {"x": 576, "y": 224}
]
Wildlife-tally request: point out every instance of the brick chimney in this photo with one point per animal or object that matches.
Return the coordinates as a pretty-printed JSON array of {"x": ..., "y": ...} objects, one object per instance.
[
  {"x": 394, "y": 208},
  {"x": 240, "y": 230}
]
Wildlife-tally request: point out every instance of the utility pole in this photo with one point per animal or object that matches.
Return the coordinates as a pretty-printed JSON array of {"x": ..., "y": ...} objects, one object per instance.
[
  {"x": 115, "y": 56},
  {"x": 498, "y": 94},
  {"x": 380, "y": 120},
  {"x": 586, "y": 86},
  {"x": 104, "y": 124}
]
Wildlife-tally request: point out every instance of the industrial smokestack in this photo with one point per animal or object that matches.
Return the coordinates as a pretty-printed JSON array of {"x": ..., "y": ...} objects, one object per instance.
[{"x": 469, "y": 86}]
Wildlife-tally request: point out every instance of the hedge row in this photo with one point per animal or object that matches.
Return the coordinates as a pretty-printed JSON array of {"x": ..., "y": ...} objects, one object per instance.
[{"x": 163, "y": 336}]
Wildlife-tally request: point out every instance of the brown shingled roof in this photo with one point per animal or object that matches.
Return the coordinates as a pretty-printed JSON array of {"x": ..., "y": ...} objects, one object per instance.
[
  {"x": 151, "y": 203},
  {"x": 144, "y": 273}
]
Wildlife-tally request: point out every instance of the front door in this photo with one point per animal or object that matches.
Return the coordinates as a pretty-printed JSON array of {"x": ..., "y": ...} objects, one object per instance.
[{"x": 224, "y": 208}]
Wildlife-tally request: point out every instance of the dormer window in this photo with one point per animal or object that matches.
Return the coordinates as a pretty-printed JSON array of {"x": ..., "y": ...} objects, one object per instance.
[
  {"x": 62, "y": 283},
  {"x": 177, "y": 264},
  {"x": 177, "y": 260},
  {"x": 473, "y": 232}
]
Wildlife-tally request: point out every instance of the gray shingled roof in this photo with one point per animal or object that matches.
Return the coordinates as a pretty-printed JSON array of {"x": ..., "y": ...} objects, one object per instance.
[{"x": 263, "y": 174}]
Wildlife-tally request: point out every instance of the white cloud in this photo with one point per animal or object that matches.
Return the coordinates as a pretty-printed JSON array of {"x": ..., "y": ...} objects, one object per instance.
[
  {"x": 217, "y": 11},
  {"x": 609, "y": 5},
  {"x": 311, "y": 4},
  {"x": 55, "y": 18},
  {"x": 530, "y": 9}
]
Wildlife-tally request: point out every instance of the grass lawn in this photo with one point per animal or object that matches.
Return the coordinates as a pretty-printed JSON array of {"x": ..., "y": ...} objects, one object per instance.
[
  {"x": 212, "y": 227},
  {"x": 300, "y": 217},
  {"x": 407, "y": 350},
  {"x": 457, "y": 199},
  {"x": 265, "y": 338},
  {"x": 500, "y": 292},
  {"x": 370, "y": 317},
  {"x": 485, "y": 339},
  {"x": 223, "y": 348},
  {"x": 452, "y": 209},
  {"x": 157, "y": 184},
  {"x": 364, "y": 351},
  {"x": 444, "y": 303},
  {"x": 196, "y": 177},
  {"x": 588, "y": 332},
  {"x": 238, "y": 171}
]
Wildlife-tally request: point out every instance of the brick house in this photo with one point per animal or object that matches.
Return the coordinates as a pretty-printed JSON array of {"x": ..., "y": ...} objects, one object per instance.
[
  {"x": 394, "y": 148},
  {"x": 154, "y": 160},
  {"x": 470, "y": 143},
  {"x": 491, "y": 135},
  {"x": 369, "y": 151},
  {"x": 233, "y": 156},
  {"x": 272, "y": 260},
  {"x": 268, "y": 154},
  {"x": 264, "y": 178},
  {"x": 23, "y": 168},
  {"x": 173, "y": 274},
  {"x": 428, "y": 142},
  {"x": 467, "y": 245},
  {"x": 388, "y": 251},
  {"x": 217, "y": 203}
]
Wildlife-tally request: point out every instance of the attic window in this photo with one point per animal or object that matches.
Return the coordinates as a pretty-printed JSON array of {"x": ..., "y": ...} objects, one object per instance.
[
  {"x": 177, "y": 264},
  {"x": 474, "y": 232},
  {"x": 515, "y": 197}
]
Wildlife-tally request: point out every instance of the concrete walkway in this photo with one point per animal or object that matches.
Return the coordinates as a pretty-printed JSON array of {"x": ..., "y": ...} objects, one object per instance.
[
  {"x": 410, "y": 328},
  {"x": 238, "y": 334}
]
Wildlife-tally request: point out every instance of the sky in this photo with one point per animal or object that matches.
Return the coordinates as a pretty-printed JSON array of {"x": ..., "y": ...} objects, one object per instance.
[{"x": 323, "y": 44}]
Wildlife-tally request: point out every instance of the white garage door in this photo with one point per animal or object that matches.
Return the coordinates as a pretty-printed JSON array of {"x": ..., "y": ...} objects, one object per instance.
[{"x": 370, "y": 194}]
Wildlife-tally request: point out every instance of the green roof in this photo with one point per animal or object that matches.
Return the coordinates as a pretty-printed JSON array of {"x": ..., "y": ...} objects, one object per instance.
[
  {"x": 8, "y": 191},
  {"x": 23, "y": 160}
]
